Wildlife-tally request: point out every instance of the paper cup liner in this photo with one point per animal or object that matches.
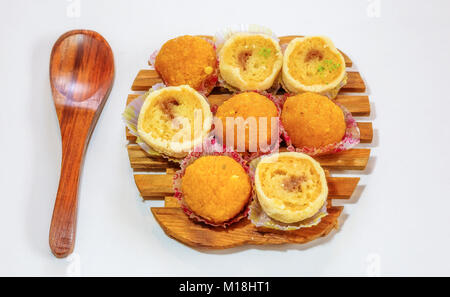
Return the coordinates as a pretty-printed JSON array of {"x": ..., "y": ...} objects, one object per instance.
[
  {"x": 209, "y": 148},
  {"x": 277, "y": 100},
  {"x": 208, "y": 84},
  {"x": 350, "y": 139},
  {"x": 261, "y": 220},
  {"x": 131, "y": 116},
  {"x": 223, "y": 35}
]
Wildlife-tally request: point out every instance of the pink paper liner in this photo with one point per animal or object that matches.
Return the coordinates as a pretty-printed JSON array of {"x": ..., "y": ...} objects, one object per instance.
[
  {"x": 350, "y": 139},
  {"x": 277, "y": 100},
  {"x": 260, "y": 219},
  {"x": 209, "y": 148},
  {"x": 208, "y": 84}
]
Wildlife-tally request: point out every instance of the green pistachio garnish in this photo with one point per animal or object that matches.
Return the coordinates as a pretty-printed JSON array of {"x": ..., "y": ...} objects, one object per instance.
[
  {"x": 265, "y": 52},
  {"x": 328, "y": 65}
]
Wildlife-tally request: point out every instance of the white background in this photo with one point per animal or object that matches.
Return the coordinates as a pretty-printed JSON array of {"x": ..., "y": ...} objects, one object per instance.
[{"x": 398, "y": 223}]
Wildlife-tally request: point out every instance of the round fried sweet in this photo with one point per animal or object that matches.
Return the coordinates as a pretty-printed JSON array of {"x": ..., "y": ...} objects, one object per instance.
[
  {"x": 313, "y": 120},
  {"x": 187, "y": 60},
  {"x": 216, "y": 188},
  {"x": 248, "y": 110}
]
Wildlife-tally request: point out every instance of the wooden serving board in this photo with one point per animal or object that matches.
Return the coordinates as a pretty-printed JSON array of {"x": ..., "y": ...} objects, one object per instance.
[{"x": 175, "y": 222}]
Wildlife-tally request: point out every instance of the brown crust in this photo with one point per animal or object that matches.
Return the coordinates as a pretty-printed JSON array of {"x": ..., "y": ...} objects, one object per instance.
[
  {"x": 293, "y": 183},
  {"x": 314, "y": 54},
  {"x": 167, "y": 106},
  {"x": 243, "y": 58}
]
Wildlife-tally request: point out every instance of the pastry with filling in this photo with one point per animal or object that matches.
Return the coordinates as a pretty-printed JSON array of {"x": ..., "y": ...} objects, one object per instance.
[
  {"x": 188, "y": 60},
  {"x": 173, "y": 120},
  {"x": 313, "y": 64},
  {"x": 216, "y": 188},
  {"x": 250, "y": 61},
  {"x": 312, "y": 120},
  {"x": 290, "y": 187},
  {"x": 250, "y": 122}
]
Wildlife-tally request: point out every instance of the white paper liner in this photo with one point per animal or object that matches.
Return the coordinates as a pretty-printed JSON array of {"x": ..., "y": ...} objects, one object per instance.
[
  {"x": 131, "y": 116},
  {"x": 350, "y": 139},
  {"x": 260, "y": 219},
  {"x": 208, "y": 84},
  {"x": 222, "y": 36},
  {"x": 210, "y": 147}
]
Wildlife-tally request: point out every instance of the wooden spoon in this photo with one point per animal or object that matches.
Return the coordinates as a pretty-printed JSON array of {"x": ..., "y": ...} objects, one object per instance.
[{"x": 81, "y": 77}]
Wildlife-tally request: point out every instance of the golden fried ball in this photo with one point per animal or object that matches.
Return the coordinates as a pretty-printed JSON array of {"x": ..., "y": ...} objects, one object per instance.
[
  {"x": 247, "y": 105},
  {"x": 313, "y": 120},
  {"x": 217, "y": 188},
  {"x": 187, "y": 60}
]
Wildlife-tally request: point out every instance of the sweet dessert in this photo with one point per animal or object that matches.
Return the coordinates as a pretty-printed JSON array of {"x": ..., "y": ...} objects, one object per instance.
[
  {"x": 188, "y": 60},
  {"x": 291, "y": 187},
  {"x": 253, "y": 112},
  {"x": 313, "y": 64},
  {"x": 250, "y": 61},
  {"x": 312, "y": 120},
  {"x": 216, "y": 188},
  {"x": 173, "y": 120}
]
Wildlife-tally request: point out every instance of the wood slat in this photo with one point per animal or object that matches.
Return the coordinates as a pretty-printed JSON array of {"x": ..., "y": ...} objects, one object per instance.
[
  {"x": 365, "y": 129},
  {"x": 177, "y": 225},
  {"x": 355, "y": 83},
  {"x": 353, "y": 159},
  {"x": 171, "y": 201},
  {"x": 358, "y": 105},
  {"x": 366, "y": 132},
  {"x": 154, "y": 185},
  {"x": 141, "y": 161},
  {"x": 148, "y": 77},
  {"x": 160, "y": 185}
]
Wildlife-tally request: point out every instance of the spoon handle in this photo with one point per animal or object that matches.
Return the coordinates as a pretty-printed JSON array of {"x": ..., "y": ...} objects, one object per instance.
[{"x": 64, "y": 220}]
